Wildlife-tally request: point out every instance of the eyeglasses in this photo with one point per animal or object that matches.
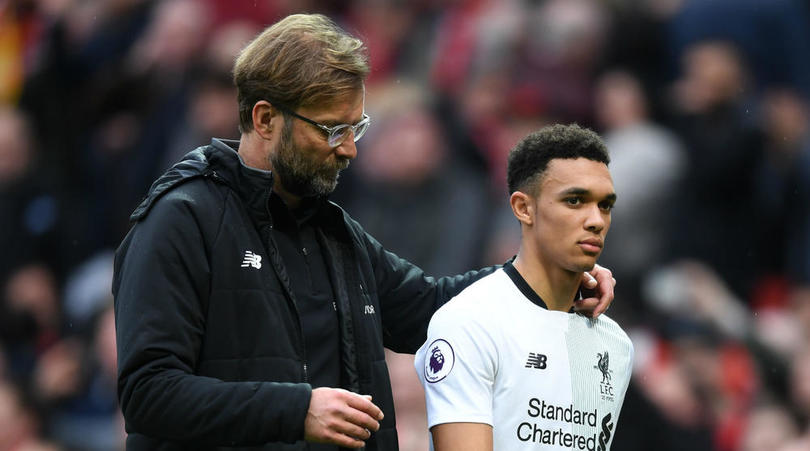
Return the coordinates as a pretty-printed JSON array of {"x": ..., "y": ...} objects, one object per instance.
[{"x": 336, "y": 134}]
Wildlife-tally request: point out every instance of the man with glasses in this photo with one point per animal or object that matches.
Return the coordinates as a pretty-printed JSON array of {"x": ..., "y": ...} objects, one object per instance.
[{"x": 250, "y": 310}]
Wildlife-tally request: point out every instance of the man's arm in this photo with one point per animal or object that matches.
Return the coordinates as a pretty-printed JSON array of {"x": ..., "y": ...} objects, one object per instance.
[
  {"x": 462, "y": 437},
  {"x": 409, "y": 297},
  {"x": 457, "y": 368}
]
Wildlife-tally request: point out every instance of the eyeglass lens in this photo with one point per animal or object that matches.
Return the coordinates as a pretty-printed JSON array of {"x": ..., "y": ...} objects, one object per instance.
[{"x": 339, "y": 134}]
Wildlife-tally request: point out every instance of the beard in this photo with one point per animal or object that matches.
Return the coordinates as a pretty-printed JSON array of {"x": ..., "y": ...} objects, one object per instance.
[{"x": 299, "y": 174}]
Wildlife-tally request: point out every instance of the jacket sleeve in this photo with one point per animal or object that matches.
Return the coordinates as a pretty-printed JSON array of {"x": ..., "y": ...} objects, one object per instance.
[
  {"x": 160, "y": 287},
  {"x": 408, "y": 297}
]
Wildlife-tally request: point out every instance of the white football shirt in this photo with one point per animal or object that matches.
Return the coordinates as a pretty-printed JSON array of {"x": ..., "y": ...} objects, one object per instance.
[{"x": 544, "y": 380}]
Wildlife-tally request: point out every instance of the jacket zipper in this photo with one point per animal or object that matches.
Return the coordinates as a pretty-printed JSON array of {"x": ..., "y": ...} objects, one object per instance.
[{"x": 275, "y": 258}]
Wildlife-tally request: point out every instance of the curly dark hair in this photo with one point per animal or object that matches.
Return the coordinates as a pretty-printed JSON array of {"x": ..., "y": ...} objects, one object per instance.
[{"x": 529, "y": 159}]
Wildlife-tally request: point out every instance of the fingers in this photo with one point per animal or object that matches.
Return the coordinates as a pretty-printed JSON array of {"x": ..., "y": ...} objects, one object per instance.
[
  {"x": 602, "y": 294},
  {"x": 341, "y": 417},
  {"x": 372, "y": 412},
  {"x": 589, "y": 281},
  {"x": 587, "y": 306}
]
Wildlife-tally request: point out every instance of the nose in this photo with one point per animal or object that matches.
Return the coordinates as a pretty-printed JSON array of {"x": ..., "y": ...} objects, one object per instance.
[
  {"x": 596, "y": 220},
  {"x": 348, "y": 148}
]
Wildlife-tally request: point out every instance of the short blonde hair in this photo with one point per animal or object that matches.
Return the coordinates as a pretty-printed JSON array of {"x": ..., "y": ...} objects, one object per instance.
[{"x": 302, "y": 60}]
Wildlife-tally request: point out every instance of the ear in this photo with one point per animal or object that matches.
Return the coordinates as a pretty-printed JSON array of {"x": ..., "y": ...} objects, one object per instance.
[
  {"x": 522, "y": 207},
  {"x": 263, "y": 115}
]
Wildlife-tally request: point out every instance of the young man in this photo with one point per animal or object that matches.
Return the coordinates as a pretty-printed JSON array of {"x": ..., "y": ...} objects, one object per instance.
[
  {"x": 251, "y": 311},
  {"x": 508, "y": 365}
]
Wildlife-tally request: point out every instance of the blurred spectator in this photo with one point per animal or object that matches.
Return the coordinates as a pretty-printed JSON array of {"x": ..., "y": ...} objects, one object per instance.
[
  {"x": 773, "y": 345},
  {"x": 638, "y": 41},
  {"x": 210, "y": 113},
  {"x": 548, "y": 51},
  {"x": 138, "y": 111},
  {"x": 58, "y": 372},
  {"x": 85, "y": 414},
  {"x": 409, "y": 182},
  {"x": 19, "y": 422},
  {"x": 647, "y": 163},
  {"x": 212, "y": 95},
  {"x": 723, "y": 143},
  {"x": 513, "y": 66},
  {"x": 783, "y": 189},
  {"x": 31, "y": 216},
  {"x": 387, "y": 28},
  {"x": 30, "y": 317},
  {"x": 82, "y": 43},
  {"x": 663, "y": 404},
  {"x": 770, "y": 426},
  {"x": 225, "y": 44},
  {"x": 773, "y": 36},
  {"x": 88, "y": 291},
  {"x": 455, "y": 44}
]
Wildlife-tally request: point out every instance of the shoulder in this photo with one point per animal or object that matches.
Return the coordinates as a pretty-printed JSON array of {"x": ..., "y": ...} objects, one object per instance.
[
  {"x": 611, "y": 333},
  {"x": 193, "y": 211},
  {"x": 199, "y": 199},
  {"x": 479, "y": 302},
  {"x": 190, "y": 181},
  {"x": 609, "y": 324}
]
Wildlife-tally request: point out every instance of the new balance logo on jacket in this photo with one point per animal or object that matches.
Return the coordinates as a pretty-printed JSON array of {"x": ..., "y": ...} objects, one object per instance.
[{"x": 252, "y": 260}]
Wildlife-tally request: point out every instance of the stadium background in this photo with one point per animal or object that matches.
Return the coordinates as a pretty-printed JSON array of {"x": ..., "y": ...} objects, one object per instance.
[{"x": 703, "y": 103}]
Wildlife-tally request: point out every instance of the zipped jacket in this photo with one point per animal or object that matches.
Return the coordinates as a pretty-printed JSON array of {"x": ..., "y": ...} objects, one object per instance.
[{"x": 210, "y": 344}]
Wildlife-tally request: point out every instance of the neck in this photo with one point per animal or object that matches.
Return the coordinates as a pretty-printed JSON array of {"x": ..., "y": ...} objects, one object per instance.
[
  {"x": 291, "y": 200},
  {"x": 556, "y": 286},
  {"x": 253, "y": 153}
]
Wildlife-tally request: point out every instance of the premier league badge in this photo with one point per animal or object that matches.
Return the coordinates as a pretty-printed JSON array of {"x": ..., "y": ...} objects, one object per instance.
[{"x": 439, "y": 360}]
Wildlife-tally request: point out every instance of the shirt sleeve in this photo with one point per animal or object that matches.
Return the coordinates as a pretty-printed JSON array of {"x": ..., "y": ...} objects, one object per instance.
[{"x": 457, "y": 367}]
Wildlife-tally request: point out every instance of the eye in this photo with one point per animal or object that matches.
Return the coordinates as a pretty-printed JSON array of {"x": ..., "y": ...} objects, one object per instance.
[
  {"x": 606, "y": 206},
  {"x": 337, "y": 134},
  {"x": 573, "y": 201}
]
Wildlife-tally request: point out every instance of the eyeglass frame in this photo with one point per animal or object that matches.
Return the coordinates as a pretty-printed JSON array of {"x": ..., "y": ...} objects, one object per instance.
[{"x": 365, "y": 120}]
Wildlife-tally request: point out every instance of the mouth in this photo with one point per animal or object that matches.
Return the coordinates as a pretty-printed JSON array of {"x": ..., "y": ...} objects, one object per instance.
[
  {"x": 340, "y": 164},
  {"x": 591, "y": 245}
]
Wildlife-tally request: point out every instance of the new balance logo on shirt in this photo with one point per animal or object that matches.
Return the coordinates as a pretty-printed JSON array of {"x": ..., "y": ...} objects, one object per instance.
[
  {"x": 252, "y": 260},
  {"x": 537, "y": 361}
]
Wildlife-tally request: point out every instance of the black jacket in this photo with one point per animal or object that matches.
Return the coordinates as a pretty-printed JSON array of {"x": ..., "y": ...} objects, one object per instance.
[{"x": 210, "y": 347}]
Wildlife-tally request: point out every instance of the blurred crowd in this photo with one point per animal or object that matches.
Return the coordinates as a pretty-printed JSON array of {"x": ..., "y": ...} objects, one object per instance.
[{"x": 703, "y": 105}]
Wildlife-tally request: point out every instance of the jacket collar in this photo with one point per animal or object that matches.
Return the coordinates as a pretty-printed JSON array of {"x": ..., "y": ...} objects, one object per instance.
[
  {"x": 221, "y": 161},
  {"x": 252, "y": 185}
]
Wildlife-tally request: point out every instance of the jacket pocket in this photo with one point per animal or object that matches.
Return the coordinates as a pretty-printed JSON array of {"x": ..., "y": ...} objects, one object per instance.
[{"x": 247, "y": 323}]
